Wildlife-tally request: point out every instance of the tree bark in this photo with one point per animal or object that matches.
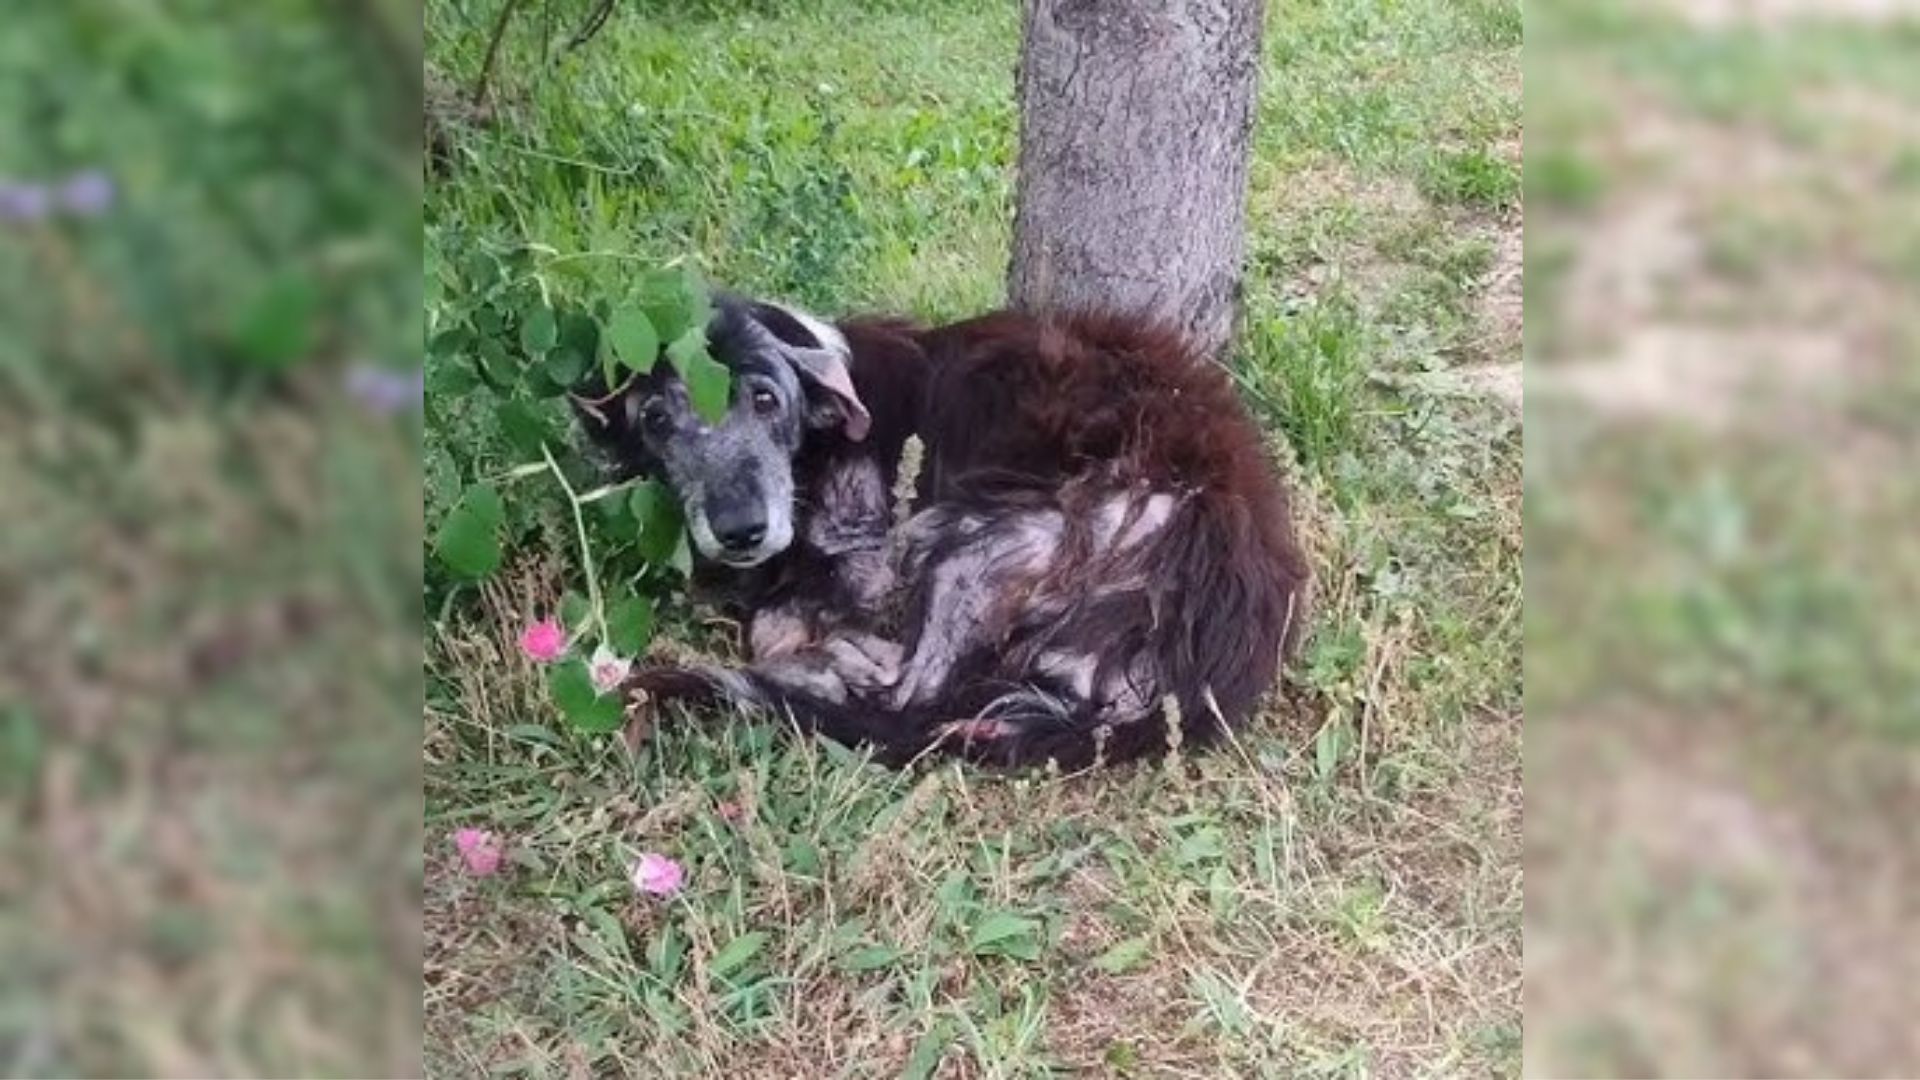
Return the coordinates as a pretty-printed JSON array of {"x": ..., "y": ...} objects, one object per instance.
[{"x": 1136, "y": 120}]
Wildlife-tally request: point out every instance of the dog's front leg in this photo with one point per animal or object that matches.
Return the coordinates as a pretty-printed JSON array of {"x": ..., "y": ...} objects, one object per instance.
[
  {"x": 778, "y": 630},
  {"x": 848, "y": 527},
  {"x": 967, "y": 596}
]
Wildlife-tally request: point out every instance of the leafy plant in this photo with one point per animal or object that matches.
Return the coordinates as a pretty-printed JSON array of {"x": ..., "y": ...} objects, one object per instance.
[{"x": 506, "y": 346}]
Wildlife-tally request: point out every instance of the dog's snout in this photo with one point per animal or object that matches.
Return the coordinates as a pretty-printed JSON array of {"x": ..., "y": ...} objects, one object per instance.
[
  {"x": 741, "y": 528},
  {"x": 739, "y": 496}
]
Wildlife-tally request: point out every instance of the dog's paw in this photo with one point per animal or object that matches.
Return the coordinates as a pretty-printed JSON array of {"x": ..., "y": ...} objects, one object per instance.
[{"x": 865, "y": 662}]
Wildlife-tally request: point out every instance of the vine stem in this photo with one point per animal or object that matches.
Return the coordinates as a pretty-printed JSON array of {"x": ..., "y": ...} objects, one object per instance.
[
  {"x": 586, "y": 552},
  {"x": 507, "y": 10},
  {"x": 518, "y": 472}
]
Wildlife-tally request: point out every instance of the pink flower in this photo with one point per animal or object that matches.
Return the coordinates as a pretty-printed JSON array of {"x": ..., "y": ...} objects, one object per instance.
[
  {"x": 657, "y": 874},
  {"x": 607, "y": 670},
  {"x": 480, "y": 849},
  {"x": 544, "y": 641},
  {"x": 731, "y": 810}
]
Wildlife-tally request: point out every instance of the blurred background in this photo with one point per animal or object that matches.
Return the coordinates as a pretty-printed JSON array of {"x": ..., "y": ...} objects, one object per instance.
[
  {"x": 209, "y": 538},
  {"x": 1723, "y": 652}
]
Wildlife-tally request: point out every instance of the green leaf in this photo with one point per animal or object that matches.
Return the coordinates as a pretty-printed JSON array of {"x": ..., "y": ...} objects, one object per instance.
[
  {"x": 736, "y": 954},
  {"x": 488, "y": 322},
  {"x": 469, "y": 540},
  {"x": 629, "y": 625},
  {"x": 848, "y": 932},
  {"x": 709, "y": 384},
  {"x": 571, "y": 686},
  {"x": 928, "y": 1051},
  {"x": 634, "y": 343},
  {"x": 578, "y": 345},
  {"x": 644, "y": 501},
  {"x": 517, "y": 262},
  {"x": 682, "y": 560},
  {"x": 1202, "y": 845},
  {"x": 1124, "y": 956},
  {"x": 749, "y": 1005},
  {"x": 495, "y": 362},
  {"x": 662, "y": 525},
  {"x": 1223, "y": 899},
  {"x": 450, "y": 342},
  {"x": 578, "y": 329},
  {"x": 606, "y": 714},
  {"x": 541, "y": 384},
  {"x": 535, "y": 733},
  {"x": 871, "y": 958},
  {"x": 276, "y": 326},
  {"x": 708, "y": 381},
  {"x": 666, "y": 954},
  {"x": 538, "y": 330},
  {"x": 566, "y": 364},
  {"x": 662, "y": 540},
  {"x": 615, "y": 515},
  {"x": 1003, "y": 933},
  {"x": 1001, "y": 925},
  {"x": 802, "y": 858},
  {"x": 573, "y": 611},
  {"x": 480, "y": 269},
  {"x": 1328, "y": 745},
  {"x": 449, "y": 380},
  {"x": 609, "y": 931},
  {"x": 664, "y": 1013},
  {"x": 673, "y": 301},
  {"x": 1020, "y": 948},
  {"x": 583, "y": 706},
  {"x": 953, "y": 891},
  {"x": 524, "y": 425},
  {"x": 687, "y": 348}
]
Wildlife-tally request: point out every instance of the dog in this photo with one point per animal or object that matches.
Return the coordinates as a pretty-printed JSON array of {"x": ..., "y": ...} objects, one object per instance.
[{"x": 1100, "y": 560}]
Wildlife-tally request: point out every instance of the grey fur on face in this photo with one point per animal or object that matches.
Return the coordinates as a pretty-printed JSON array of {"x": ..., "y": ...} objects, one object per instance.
[{"x": 734, "y": 477}]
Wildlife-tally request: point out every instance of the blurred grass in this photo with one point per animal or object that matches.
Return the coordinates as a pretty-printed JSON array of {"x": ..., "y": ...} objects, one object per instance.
[
  {"x": 1338, "y": 895},
  {"x": 1723, "y": 662},
  {"x": 208, "y": 826}
]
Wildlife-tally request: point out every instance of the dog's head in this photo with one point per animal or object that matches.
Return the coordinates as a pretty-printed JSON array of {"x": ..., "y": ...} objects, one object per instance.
[{"x": 791, "y": 379}]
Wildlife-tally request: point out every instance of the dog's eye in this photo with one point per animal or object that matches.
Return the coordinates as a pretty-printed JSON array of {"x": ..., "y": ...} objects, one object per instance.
[
  {"x": 656, "y": 420},
  {"x": 764, "y": 402}
]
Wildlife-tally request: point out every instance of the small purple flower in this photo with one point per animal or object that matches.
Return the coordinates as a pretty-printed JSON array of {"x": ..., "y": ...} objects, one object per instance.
[
  {"x": 89, "y": 193},
  {"x": 25, "y": 203},
  {"x": 386, "y": 391}
]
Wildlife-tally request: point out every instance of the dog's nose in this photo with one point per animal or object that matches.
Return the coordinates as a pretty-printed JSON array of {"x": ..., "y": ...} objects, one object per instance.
[
  {"x": 741, "y": 532},
  {"x": 743, "y": 539}
]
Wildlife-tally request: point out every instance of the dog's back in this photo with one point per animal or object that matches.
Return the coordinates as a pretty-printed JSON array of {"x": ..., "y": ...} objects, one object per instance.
[{"x": 1129, "y": 522}]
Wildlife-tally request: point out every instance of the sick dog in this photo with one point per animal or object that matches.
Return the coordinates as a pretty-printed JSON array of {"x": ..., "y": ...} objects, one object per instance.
[{"x": 1099, "y": 562}]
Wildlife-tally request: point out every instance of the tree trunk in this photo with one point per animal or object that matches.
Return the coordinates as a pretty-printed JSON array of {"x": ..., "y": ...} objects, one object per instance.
[{"x": 1136, "y": 118}]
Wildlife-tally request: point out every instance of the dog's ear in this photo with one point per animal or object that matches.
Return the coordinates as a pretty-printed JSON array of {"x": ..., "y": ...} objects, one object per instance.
[
  {"x": 611, "y": 419},
  {"x": 819, "y": 353}
]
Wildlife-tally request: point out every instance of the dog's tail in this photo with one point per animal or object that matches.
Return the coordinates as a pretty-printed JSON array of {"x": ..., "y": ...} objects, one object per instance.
[{"x": 985, "y": 722}]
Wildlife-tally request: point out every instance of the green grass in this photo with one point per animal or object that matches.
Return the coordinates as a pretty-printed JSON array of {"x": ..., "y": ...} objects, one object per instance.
[
  {"x": 1477, "y": 178},
  {"x": 1561, "y": 177},
  {"x": 1337, "y": 894},
  {"x": 1743, "y": 597}
]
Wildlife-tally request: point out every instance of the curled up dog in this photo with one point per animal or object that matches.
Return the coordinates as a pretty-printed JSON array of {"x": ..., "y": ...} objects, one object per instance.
[{"x": 1099, "y": 546}]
